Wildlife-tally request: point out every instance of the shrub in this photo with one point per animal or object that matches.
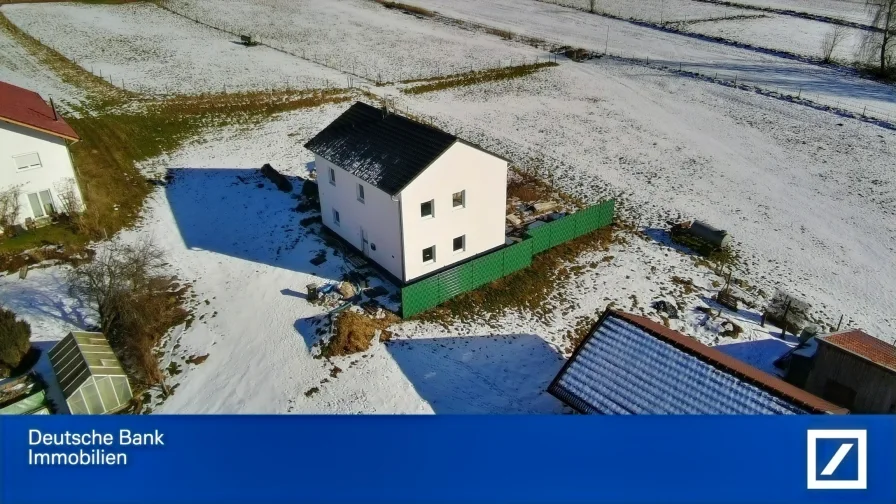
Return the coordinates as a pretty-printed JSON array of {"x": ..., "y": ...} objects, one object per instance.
[{"x": 15, "y": 340}]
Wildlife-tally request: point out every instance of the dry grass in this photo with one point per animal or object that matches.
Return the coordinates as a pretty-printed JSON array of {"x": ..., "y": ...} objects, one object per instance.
[
  {"x": 529, "y": 188},
  {"x": 354, "y": 332},
  {"x": 410, "y": 9},
  {"x": 528, "y": 289},
  {"x": 476, "y": 77}
]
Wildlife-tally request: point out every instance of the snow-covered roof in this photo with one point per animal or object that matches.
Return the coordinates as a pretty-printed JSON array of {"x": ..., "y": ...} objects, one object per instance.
[{"x": 632, "y": 365}]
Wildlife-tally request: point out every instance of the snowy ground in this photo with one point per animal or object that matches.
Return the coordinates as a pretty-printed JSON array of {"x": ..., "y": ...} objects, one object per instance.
[
  {"x": 148, "y": 49},
  {"x": 581, "y": 29},
  {"x": 849, "y": 10},
  {"x": 359, "y": 36},
  {"x": 656, "y": 11},
  {"x": 782, "y": 178},
  {"x": 19, "y": 68}
]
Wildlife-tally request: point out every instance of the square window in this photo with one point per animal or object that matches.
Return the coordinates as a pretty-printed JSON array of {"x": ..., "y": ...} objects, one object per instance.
[
  {"x": 458, "y": 199},
  {"x": 427, "y": 209},
  {"x": 429, "y": 254},
  {"x": 360, "y": 193},
  {"x": 27, "y": 161},
  {"x": 335, "y": 216},
  {"x": 460, "y": 243},
  {"x": 332, "y": 176}
]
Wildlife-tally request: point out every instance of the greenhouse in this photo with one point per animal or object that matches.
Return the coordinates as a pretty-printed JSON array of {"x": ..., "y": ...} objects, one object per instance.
[{"x": 91, "y": 377}]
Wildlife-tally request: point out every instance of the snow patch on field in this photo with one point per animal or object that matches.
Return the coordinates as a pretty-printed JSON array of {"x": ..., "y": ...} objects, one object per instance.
[
  {"x": 360, "y": 36},
  {"x": 19, "y": 68},
  {"x": 148, "y": 49}
]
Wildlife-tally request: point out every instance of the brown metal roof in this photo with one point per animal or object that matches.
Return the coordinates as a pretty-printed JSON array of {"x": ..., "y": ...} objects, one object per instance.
[
  {"x": 758, "y": 378},
  {"x": 864, "y": 345}
]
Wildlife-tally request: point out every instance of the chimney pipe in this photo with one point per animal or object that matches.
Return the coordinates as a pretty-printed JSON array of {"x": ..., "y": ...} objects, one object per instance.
[{"x": 53, "y": 106}]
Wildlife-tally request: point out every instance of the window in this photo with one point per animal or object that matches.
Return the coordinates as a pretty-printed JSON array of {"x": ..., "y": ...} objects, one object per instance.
[
  {"x": 335, "y": 216},
  {"x": 41, "y": 204},
  {"x": 332, "y": 176},
  {"x": 458, "y": 199},
  {"x": 426, "y": 209},
  {"x": 460, "y": 243},
  {"x": 27, "y": 161},
  {"x": 429, "y": 254},
  {"x": 360, "y": 193}
]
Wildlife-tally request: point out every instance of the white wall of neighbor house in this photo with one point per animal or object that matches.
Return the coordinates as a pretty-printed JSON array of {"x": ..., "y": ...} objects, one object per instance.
[
  {"x": 377, "y": 215},
  {"x": 49, "y": 167},
  {"x": 482, "y": 178}
]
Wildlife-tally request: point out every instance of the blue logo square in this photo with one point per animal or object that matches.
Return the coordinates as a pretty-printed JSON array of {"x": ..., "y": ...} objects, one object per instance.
[{"x": 827, "y": 450}]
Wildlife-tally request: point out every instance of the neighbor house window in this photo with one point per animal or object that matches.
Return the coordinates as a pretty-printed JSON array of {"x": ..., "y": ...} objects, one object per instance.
[
  {"x": 458, "y": 199},
  {"x": 332, "y": 176},
  {"x": 429, "y": 254},
  {"x": 27, "y": 161},
  {"x": 41, "y": 204},
  {"x": 360, "y": 193},
  {"x": 426, "y": 209},
  {"x": 335, "y": 216},
  {"x": 460, "y": 243}
]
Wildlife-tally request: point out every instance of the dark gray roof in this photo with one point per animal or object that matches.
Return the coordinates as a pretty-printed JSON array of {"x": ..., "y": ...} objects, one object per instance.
[
  {"x": 383, "y": 149},
  {"x": 632, "y": 365}
]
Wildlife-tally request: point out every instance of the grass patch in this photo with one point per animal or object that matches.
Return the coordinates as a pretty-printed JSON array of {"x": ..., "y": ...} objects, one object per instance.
[
  {"x": 528, "y": 289},
  {"x": 410, "y": 9},
  {"x": 476, "y": 77},
  {"x": 47, "y": 235}
]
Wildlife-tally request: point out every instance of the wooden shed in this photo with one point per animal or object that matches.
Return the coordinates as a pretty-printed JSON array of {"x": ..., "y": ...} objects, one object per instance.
[{"x": 855, "y": 370}]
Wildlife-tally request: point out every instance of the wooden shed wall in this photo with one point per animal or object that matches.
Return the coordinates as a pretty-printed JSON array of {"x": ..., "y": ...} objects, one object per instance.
[{"x": 875, "y": 386}]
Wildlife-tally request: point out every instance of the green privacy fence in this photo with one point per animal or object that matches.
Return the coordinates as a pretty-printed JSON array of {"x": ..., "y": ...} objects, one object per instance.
[{"x": 435, "y": 290}]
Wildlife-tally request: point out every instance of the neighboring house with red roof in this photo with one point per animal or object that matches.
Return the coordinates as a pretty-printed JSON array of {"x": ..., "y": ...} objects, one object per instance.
[
  {"x": 855, "y": 370},
  {"x": 34, "y": 156}
]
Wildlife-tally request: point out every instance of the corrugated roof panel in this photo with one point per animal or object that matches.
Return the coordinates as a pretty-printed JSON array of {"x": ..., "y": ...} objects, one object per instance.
[{"x": 623, "y": 369}]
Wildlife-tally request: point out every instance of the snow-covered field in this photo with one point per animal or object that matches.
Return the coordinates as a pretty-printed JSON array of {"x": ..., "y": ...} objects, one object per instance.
[
  {"x": 360, "y": 36},
  {"x": 848, "y": 10},
  {"x": 784, "y": 33},
  {"x": 581, "y": 29},
  {"x": 808, "y": 196},
  {"x": 655, "y": 11},
  {"x": 19, "y": 68},
  {"x": 148, "y": 49}
]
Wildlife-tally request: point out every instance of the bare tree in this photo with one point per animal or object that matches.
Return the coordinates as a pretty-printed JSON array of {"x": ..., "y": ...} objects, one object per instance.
[
  {"x": 136, "y": 302},
  {"x": 67, "y": 194},
  {"x": 831, "y": 41},
  {"x": 9, "y": 208},
  {"x": 880, "y": 44}
]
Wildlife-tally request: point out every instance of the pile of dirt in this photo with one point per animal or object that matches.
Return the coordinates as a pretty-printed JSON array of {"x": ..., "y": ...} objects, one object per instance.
[{"x": 354, "y": 333}]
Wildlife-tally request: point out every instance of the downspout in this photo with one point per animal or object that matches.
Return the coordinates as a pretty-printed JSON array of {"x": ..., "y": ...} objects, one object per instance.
[{"x": 401, "y": 237}]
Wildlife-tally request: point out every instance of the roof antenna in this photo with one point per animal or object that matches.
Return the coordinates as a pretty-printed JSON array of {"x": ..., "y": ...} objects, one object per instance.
[{"x": 53, "y": 106}]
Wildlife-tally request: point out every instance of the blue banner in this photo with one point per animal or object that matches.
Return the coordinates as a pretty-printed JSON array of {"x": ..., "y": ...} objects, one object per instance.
[{"x": 416, "y": 459}]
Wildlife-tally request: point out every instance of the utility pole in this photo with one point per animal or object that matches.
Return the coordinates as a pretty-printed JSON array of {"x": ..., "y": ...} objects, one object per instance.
[{"x": 607, "y": 45}]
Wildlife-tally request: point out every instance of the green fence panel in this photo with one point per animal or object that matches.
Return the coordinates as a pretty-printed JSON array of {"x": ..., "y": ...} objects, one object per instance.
[
  {"x": 584, "y": 220},
  {"x": 517, "y": 257},
  {"x": 488, "y": 268},
  {"x": 540, "y": 238},
  {"x": 562, "y": 230},
  {"x": 420, "y": 296},
  {"x": 456, "y": 281}
]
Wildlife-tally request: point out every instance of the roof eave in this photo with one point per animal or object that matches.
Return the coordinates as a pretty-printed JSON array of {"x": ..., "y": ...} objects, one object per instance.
[{"x": 74, "y": 139}]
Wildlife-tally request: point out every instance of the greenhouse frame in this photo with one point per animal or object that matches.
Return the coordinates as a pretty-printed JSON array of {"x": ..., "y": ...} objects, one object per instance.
[{"x": 90, "y": 375}]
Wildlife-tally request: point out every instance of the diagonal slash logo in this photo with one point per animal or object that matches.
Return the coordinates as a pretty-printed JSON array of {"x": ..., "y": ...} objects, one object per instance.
[{"x": 846, "y": 468}]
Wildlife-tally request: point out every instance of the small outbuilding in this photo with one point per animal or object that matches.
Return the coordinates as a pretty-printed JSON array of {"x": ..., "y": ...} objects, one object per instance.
[
  {"x": 90, "y": 375},
  {"x": 632, "y": 365},
  {"x": 854, "y": 370}
]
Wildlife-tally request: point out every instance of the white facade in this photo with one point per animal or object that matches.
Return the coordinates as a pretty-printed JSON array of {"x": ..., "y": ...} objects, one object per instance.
[
  {"x": 397, "y": 231},
  {"x": 40, "y": 164}
]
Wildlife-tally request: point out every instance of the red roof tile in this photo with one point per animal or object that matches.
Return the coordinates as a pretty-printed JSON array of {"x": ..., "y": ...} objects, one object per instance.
[
  {"x": 864, "y": 345},
  {"x": 26, "y": 108}
]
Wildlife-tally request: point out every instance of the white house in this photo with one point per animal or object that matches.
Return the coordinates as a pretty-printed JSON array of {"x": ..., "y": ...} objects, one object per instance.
[
  {"x": 34, "y": 155},
  {"x": 410, "y": 197}
]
